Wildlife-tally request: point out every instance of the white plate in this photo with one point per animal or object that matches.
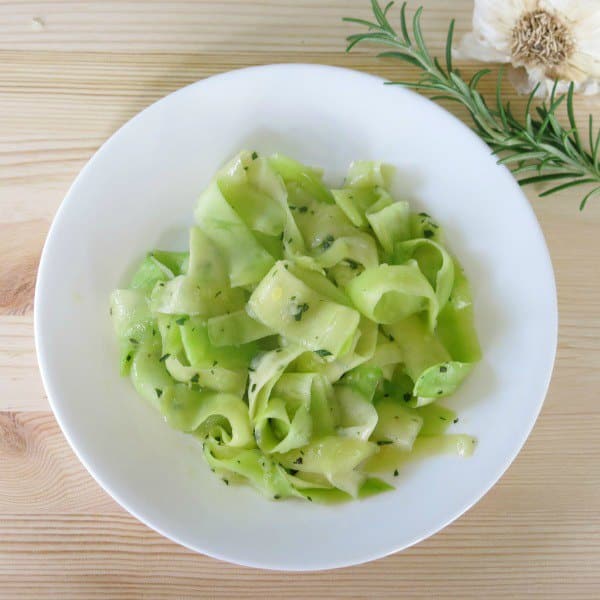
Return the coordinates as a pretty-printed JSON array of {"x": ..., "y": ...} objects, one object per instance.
[{"x": 138, "y": 193}]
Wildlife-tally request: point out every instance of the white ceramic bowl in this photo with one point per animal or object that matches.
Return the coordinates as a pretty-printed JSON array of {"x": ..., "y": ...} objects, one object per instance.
[{"x": 138, "y": 193}]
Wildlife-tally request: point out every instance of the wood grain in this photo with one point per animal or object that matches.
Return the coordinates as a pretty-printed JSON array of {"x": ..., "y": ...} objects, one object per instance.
[
  {"x": 71, "y": 73},
  {"x": 228, "y": 26}
]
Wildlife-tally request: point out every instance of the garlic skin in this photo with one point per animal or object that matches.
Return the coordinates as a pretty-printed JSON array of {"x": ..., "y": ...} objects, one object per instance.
[{"x": 544, "y": 40}]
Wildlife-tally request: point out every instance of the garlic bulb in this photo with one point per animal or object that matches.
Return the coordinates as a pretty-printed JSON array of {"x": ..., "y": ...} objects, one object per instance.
[{"x": 545, "y": 40}]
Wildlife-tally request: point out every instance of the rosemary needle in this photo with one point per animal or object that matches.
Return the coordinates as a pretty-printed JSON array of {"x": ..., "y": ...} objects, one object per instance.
[{"x": 537, "y": 150}]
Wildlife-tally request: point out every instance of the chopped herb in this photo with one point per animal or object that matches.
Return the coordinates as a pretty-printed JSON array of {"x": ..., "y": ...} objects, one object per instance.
[
  {"x": 303, "y": 209},
  {"x": 110, "y": 311},
  {"x": 312, "y": 212},
  {"x": 455, "y": 421},
  {"x": 163, "y": 357},
  {"x": 309, "y": 498},
  {"x": 391, "y": 338},
  {"x": 226, "y": 481},
  {"x": 443, "y": 369},
  {"x": 161, "y": 284},
  {"x": 396, "y": 473},
  {"x": 181, "y": 320},
  {"x": 407, "y": 396},
  {"x": 423, "y": 214},
  {"x": 278, "y": 350},
  {"x": 290, "y": 241},
  {"x": 286, "y": 266},
  {"x": 292, "y": 207},
  {"x": 158, "y": 392},
  {"x": 215, "y": 363},
  {"x": 128, "y": 357},
  {"x": 194, "y": 378},
  {"x": 292, "y": 471},
  {"x": 153, "y": 332},
  {"x": 245, "y": 168},
  {"x": 428, "y": 233},
  {"x": 276, "y": 497},
  {"x": 218, "y": 294},
  {"x": 254, "y": 155},
  {"x": 281, "y": 237},
  {"x": 323, "y": 352},
  {"x": 440, "y": 392},
  {"x": 195, "y": 387},
  {"x": 443, "y": 418},
  {"x": 301, "y": 309},
  {"x": 133, "y": 341},
  {"x": 253, "y": 387},
  {"x": 293, "y": 298},
  {"x": 212, "y": 372},
  {"x": 298, "y": 461},
  {"x": 386, "y": 395},
  {"x": 326, "y": 243},
  {"x": 384, "y": 442},
  {"x": 352, "y": 264},
  {"x": 251, "y": 369}
]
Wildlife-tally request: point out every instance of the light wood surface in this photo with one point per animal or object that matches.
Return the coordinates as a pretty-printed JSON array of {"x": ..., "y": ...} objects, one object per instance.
[{"x": 71, "y": 73}]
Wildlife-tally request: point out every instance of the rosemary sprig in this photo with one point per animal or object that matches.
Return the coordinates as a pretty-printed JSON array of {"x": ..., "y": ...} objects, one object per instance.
[{"x": 539, "y": 146}]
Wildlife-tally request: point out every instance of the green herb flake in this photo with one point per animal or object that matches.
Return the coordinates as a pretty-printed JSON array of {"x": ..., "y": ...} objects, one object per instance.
[
  {"x": 407, "y": 397},
  {"x": 428, "y": 233},
  {"x": 158, "y": 392},
  {"x": 218, "y": 293},
  {"x": 352, "y": 264},
  {"x": 163, "y": 357},
  {"x": 253, "y": 388},
  {"x": 326, "y": 243},
  {"x": 133, "y": 341},
  {"x": 396, "y": 473},
  {"x": 195, "y": 387},
  {"x": 322, "y": 353},
  {"x": 303, "y": 209},
  {"x": 443, "y": 369},
  {"x": 194, "y": 378},
  {"x": 254, "y": 155},
  {"x": 300, "y": 310},
  {"x": 298, "y": 461},
  {"x": 181, "y": 320}
]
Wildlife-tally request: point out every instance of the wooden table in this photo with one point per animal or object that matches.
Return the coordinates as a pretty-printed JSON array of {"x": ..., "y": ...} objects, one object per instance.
[{"x": 71, "y": 72}]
